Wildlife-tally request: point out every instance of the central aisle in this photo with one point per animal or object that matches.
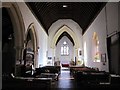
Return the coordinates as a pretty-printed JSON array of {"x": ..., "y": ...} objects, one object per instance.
[{"x": 65, "y": 80}]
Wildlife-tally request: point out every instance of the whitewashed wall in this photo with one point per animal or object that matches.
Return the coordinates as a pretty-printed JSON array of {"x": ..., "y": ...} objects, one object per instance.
[
  {"x": 56, "y": 26},
  {"x": 42, "y": 37},
  {"x": 70, "y": 23},
  {"x": 64, "y": 59},
  {"x": 99, "y": 26}
]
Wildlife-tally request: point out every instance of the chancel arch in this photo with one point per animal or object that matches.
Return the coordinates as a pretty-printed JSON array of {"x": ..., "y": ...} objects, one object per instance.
[
  {"x": 64, "y": 51},
  {"x": 63, "y": 29},
  {"x": 72, "y": 37}
]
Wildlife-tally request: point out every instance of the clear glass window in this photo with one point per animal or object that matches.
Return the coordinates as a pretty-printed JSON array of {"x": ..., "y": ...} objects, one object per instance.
[{"x": 64, "y": 48}]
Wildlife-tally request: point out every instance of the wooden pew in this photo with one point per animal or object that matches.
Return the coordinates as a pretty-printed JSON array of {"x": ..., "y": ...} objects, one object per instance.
[
  {"x": 26, "y": 83},
  {"x": 74, "y": 69},
  {"x": 48, "y": 71},
  {"x": 91, "y": 77}
]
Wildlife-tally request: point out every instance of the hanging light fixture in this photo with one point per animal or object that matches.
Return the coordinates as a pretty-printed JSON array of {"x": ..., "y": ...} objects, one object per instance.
[{"x": 64, "y": 6}]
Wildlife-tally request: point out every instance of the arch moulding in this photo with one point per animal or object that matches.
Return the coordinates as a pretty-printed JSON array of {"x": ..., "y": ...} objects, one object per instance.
[
  {"x": 65, "y": 28},
  {"x": 18, "y": 27},
  {"x": 33, "y": 35}
]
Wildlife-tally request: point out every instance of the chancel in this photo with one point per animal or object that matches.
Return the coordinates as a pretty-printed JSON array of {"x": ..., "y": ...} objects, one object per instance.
[{"x": 56, "y": 45}]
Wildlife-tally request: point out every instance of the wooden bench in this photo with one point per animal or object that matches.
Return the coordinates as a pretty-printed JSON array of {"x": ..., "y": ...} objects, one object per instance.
[
  {"x": 75, "y": 69},
  {"x": 26, "y": 83},
  {"x": 88, "y": 77},
  {"x": 48, "y": 71},
  {"x": 49, "y": 75}
]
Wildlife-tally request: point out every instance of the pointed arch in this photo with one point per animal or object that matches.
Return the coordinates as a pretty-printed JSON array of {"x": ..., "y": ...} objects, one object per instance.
[
  {"x": 18, "y": 27},
  {"x": 31, "y": 33},
  {"x": 67, "y": 35},
  {"x": 65, "y": 28},
  {"x": 18, "y": 23},
  {"x": 19, "y": 32}
]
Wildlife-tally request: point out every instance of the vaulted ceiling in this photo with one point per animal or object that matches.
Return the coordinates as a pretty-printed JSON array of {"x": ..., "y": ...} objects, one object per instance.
[{"x": 81, "y": 12}]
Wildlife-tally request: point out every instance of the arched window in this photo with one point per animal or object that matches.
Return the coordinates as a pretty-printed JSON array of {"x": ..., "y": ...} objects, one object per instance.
[
  {"x": 96, "y": 53},
  {"x": 64, "y": 48}
]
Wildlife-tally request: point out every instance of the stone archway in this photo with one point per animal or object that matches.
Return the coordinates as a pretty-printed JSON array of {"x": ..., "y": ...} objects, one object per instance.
[
  {"x": 31, "y": 42},
  {"x": 65, "y": 28},
  {"x": 18, "y": 29},
  {"x": 61, "y": 30}
]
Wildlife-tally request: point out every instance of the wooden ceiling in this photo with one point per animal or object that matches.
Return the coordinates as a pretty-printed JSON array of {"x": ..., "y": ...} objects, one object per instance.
[{"x": 81, "y": 12}]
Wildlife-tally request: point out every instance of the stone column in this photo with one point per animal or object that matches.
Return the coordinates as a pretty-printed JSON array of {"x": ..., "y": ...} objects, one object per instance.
[
  {"x": 36, "y": 59},
  {"x": 19, "y": 59},
  {"x": 19, "y": 53},
  {"x": 76, "y": 55},
  {"x": 53, "y": 56}
]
